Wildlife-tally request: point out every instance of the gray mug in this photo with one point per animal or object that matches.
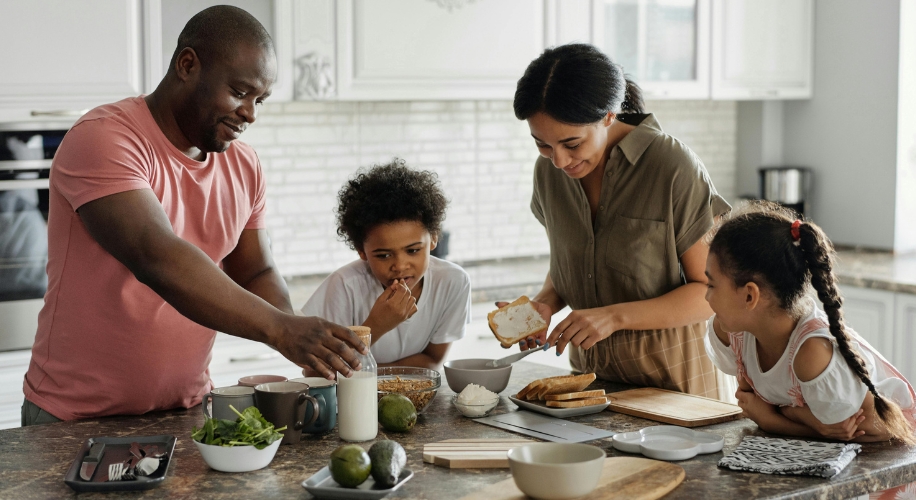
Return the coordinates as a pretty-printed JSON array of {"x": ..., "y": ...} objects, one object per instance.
[
  {"x": 284, "y": 405},
  {"x": 216, "y": 403},
  {"x": 325, "y": 392}
]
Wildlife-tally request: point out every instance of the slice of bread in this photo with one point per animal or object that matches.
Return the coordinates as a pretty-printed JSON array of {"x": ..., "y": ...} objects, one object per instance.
[
  {"x": 574, "y": 383},
  {"x": 575, "y": 395},
  {"x": 516, "y": 321},
  {"x": 577, "y": 403},
  {"x": 540, "y": 383}
]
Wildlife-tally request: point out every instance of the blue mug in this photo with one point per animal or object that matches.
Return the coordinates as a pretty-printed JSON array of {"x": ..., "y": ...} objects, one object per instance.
[{"x": 325, "y": 392}]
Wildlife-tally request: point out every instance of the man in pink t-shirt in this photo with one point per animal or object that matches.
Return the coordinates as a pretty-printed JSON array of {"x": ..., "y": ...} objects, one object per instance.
[{"x": 157, "y": 238}]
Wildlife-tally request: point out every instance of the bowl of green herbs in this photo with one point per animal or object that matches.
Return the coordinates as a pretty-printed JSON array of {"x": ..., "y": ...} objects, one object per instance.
[{"x": 248, "y": 443}]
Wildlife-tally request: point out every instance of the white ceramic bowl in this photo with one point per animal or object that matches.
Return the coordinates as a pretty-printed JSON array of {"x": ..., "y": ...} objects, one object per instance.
[
  {"x": 237, "y": 458},
  {"x": 556, "y": 471},
  {"x": 477, "y": 409},
  {"x": 461, "y": 372}
]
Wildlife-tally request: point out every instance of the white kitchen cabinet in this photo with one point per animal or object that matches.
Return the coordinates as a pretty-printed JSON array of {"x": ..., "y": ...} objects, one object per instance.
[
  {"x": 59, "y": 57},
  {"x": 166, "y": 18},
  {"x": 887, "y": 320},
  {"x": 443, "y": 49},
  {"x": 905, "y": 334},
  {"x": 664, "y": 45},
  {"x": 762, "y": 49},
  {"x": 870, "y": 312}
]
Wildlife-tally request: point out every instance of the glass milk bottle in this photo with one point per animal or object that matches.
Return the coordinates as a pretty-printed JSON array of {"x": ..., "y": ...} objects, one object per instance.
[{"x": 357, "y": 396}]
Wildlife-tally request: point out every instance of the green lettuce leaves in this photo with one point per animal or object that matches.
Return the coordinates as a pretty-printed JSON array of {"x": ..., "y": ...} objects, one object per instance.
[{"x": 249, "y": 429}]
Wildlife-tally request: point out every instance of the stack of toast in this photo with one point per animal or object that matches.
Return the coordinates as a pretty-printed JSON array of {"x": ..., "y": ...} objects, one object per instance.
[{"x": 564, "y": 391}]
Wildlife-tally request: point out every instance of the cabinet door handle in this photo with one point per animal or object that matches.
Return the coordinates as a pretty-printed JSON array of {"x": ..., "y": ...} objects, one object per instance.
[{"x": 60, "y": 112}]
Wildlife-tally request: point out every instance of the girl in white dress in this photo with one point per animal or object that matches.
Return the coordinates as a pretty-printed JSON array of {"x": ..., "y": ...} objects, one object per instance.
[{"x": 801, "y": 371}]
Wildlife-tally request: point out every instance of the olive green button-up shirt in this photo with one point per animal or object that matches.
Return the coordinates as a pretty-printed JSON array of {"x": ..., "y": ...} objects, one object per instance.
[{"x": 656, "y": 202}]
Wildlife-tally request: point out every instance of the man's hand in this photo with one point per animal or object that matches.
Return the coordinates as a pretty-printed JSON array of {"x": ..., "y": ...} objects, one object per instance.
[
  {"x": 583, "y": 328},
  {"x": 540, "y": 339},
  {"x": 320, "y": 345},
  {"x": 393, "y": 306}
]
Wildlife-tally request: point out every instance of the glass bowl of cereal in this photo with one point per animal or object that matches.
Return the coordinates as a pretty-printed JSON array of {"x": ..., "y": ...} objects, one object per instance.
[{"x": 417, "y": 384}]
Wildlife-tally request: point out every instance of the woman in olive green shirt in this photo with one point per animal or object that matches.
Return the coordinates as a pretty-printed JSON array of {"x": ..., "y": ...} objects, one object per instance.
[{"x": 626, "y": 208}]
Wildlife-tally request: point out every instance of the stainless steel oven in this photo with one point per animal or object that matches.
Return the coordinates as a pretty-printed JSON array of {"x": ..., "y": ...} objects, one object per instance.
[{"x": 26, "y": 150}]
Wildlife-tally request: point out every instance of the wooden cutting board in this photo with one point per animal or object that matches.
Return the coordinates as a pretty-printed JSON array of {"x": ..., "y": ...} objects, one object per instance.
[
  {"x": 471, "y": 453},
  {"x": 623, "y": 478},
  {"x": 672, "y": 407}
]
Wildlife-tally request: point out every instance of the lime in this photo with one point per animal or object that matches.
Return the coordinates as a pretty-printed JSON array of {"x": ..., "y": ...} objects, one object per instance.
[
  {"x": 350, "y": 465},
  {"x": 396, "y": 413}
]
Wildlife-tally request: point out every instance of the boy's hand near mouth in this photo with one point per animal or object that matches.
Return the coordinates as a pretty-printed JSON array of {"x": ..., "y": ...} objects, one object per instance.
[{"x": 393, "y": 306}]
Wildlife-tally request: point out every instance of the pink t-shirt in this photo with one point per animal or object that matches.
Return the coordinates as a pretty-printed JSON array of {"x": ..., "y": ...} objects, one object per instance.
[{"x": 106, "y": 343}]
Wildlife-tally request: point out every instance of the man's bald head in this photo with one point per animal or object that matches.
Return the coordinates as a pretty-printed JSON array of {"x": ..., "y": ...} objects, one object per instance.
[{"x": 215, "y": 32}]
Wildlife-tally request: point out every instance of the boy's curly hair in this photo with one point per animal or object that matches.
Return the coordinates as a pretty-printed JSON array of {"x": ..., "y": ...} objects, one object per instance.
[{"x": 388, "y": 193}]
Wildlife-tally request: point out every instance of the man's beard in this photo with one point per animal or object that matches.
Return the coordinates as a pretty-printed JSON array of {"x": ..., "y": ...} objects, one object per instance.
[{"x": 210, "y": 143}]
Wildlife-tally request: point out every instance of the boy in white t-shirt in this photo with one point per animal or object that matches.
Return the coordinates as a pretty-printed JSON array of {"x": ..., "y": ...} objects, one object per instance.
[{"x": 415, "y": 304}]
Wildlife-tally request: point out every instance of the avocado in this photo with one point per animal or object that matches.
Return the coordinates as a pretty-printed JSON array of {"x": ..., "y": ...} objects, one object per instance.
[
  {"x": 349, "y": 465},
  {"x": 388, "y": 458},
  {"x": 396, "y": 413}
]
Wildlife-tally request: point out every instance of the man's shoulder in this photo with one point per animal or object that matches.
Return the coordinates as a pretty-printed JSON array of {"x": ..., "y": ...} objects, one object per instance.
[{"x": 112, "y": 114}]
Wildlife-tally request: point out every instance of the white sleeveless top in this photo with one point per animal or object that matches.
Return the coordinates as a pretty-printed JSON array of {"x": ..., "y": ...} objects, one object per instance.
[{"x": 834, "y": 395}]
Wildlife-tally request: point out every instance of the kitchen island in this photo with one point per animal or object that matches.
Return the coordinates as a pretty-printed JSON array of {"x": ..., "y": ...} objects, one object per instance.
[{"x": 34, "y": 460}]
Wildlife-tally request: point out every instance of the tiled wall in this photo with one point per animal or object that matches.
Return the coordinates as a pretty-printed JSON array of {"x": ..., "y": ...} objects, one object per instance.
[{"x": 482, "y": 154}]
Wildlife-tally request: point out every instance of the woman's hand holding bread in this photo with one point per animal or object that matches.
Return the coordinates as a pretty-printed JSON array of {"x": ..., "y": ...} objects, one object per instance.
[
  {"x": 523, "y": 322},
  {"x": 393, "y": 306}
]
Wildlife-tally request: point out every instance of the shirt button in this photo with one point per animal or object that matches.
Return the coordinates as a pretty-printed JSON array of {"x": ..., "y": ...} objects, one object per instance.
[
  {"x": 600, "y": 207},
  {"x": 589, "y": 276}
]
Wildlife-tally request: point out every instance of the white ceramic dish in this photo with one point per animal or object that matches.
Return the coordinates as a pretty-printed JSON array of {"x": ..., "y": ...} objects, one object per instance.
[
  {"x": 668, "y": 442},
  {"x": 556, "y": 471},
  {"x": 237, "y": 458},
  {"x": 321, "y": 485},
  {"x": 476, "y": 410},
  {"x": 540, "y": 407}
]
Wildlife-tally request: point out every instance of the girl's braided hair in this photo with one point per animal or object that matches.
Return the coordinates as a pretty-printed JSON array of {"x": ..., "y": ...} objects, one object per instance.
[{"x": 755, "y": 244}]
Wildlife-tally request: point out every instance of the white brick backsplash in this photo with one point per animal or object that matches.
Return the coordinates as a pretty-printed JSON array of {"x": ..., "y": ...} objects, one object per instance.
[{"x": 481, "y": 153}]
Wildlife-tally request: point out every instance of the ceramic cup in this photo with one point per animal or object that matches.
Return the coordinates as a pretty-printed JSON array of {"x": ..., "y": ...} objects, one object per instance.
[
  {"x": 253, "y": 380},
  {"x": 284, "y": 404},
  {"x": 325, "y": 391},
  {"x": 216, "y": 403}
]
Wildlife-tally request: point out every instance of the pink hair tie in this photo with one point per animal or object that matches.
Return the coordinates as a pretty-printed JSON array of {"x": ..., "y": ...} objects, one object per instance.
[{"x": 796, "y": 234}]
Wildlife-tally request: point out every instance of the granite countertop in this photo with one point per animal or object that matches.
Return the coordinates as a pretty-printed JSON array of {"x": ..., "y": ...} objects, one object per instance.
[
  {"x": 877, "y": 270},
  {"x": 34, "y": 460}
]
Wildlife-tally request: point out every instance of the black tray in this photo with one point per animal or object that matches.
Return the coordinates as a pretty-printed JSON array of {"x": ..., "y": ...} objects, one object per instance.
[{"x": 118, "y": 450}]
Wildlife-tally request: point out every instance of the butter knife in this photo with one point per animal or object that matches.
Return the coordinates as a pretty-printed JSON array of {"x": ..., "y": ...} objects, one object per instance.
[
  {"x": 91, "y": 461},
  {"x": 508, "y": 360}
]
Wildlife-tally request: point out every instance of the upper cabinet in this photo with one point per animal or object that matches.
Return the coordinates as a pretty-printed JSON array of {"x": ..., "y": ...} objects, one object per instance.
[
  {"x": 435, "y": 49},
  {"x": 61, "y": 57},
  {"x": 762, "y": 49},
  {"x": 662, "y": 44},
  {"x": 66, "y": 56}
]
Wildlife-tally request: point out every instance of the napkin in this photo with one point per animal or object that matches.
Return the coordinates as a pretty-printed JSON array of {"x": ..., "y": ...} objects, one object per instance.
[{"x": 790, "y": 456}]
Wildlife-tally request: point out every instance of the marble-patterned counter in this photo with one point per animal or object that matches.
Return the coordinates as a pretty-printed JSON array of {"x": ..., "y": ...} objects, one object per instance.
[
  {"x": 878, "y": 270},
  {"x": 33, "y": 460}
]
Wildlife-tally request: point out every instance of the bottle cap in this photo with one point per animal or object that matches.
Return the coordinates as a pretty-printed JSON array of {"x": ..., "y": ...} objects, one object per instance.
[{"x": 364, "y": 333}]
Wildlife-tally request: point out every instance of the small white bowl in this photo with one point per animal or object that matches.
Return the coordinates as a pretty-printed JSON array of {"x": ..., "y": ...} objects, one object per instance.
[
  {"x": 237, "y": 458},
  {"x": 476, "y": 410},
  {"x": 556, "y": 471}
]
